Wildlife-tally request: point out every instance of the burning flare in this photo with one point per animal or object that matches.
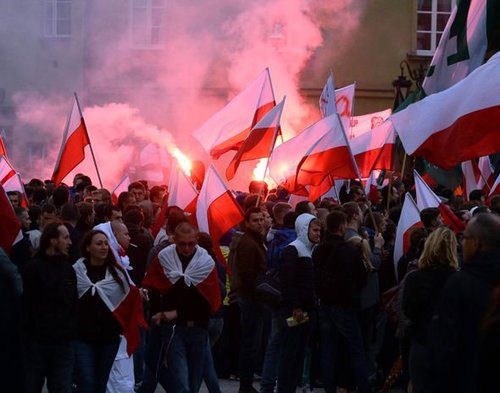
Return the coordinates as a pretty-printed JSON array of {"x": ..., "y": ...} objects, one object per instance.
[
  {"x": 258, "y": 172},
  {"x": 183, "y": 161}
]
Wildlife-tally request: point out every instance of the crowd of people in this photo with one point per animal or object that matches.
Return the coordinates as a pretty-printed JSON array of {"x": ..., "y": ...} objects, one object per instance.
[{"x": 122, "y": 295}]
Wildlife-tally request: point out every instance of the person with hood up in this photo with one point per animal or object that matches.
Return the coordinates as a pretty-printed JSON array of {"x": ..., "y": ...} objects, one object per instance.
[{"x": 298, "y": 299}]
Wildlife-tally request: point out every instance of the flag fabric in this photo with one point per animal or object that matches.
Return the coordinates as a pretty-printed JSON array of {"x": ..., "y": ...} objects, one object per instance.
[
  {"x": 10, "y": 229},
  {"x": 216, "y": 210},
  {"x": 487, "y": 177},
  {"x": 7, "y": 171},
  {"x": 160, "y": 219},
  {"x": 125, "y": 303},
  {"x": 327, "y": 105},
  {"x": 122, "y": 186},
  {"x": 472, "y": 177},
  {"x": 426, "y": 198},
  {"x": 14, "y": 183},
  {"x": 371, "y": 187},
  {"x": 73, "y": 145},
  {"x": 260, "y": 141},
  {"x": 374, "y": 150},
  {"x": 3, "y": 150},
  {"x": 495, "y": 188},
  {"x": 462, "y": 46},
  {"x": 327, "y": 156},
  {"x": 408, "y": 220},
  {"x": 228, "y": 128},
  {"x": 182, "y": 193},
  {"x": 456, "y": 124},
  {"x": 166, "y": 269},
  {"x": 344, "y": 103},
  {"x": 365, "y": 123}
]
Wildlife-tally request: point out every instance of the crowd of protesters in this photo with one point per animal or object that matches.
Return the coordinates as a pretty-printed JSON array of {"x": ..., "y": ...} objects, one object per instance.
[{"x": 299, "y": 296}]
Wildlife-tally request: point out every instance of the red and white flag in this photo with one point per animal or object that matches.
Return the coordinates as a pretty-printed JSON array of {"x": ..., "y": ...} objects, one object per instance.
[
  {"x": 487, "y": 177},
  {"x": 125, "y": 303},
  {"x": 182, "y": 193},
  {"x": 426, "y": 198},
  {"x": 365, "y": 123},
  {"x": 122, "y": 186},
  {"x": 228, "y": 128},
  {"x": 7, "y": 171},
  {"x": 73, "y": 144},
  {"x": 495, "y": 188},
  {"x": 371, "y": 187},
  {"x": 327, "y": 104},
  {"x": 166, "y": 269},
  {"x": 10, "y": 229},
  {"x": 3, "y": 150},
  {"x": 260, "y": 142},
  {"x": 327, "y": 156},
  {"x": 344, "y": 102},
  {"x": 409, "y": 219},
  {"x": 471, "y": 177},
  {"x": 374, "y": 150},
  {"x": 216, "y": 210},
  {"x": 457, "y": 124},
  {"x": 14, "y": 183}
]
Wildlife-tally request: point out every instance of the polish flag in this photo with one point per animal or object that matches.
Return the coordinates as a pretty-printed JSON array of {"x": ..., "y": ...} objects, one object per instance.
[
  {"x": 365, "y": 123},
  {"x": 182, "y": 193},
  {"x": 374, "y": 150},
  {"x": 344, "y": 102},
  {"x": 327, "y": 104},
  {"x": 328, "y": 155},
  {"x": 125, "y": 303},
  {"x": 73, "y": 145},
  {"x": 426, "y": 198},
  {"x": 3, "y": 150},
  {"x": 14, "y": 183},
  {"x": 487, "y": 172},
  {"x": 122, "y": 186},
  {"x": 409, "y": 219},
  {"x": 10, "y": 229},
  {"x": 260, "y": 142},
  {"x": 228, "y": 128},
  {"x": 495, "y": 188},
  {"x": 371, "y": 187},
  {"x": 216, "y": 210},
  {"x": 7, "y": 171},
  {"x": 166, "y": 269},
  {"x": 457, "y": 124},
  {"x": 471, "y": 177}
]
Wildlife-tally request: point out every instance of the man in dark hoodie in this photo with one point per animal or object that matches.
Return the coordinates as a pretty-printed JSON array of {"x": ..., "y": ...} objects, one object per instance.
[
  {"x": 49, "y": 313},
  {"x": 464, "y": 302}
]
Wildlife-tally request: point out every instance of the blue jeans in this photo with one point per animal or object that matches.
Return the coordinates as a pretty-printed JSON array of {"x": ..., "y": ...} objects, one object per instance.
[
  {"x": 51, "y": 361},
  {"x": 187, "y": 355},
  {"x": 93, "y": 364},
  {"x": 272, "y": 356},
  {"x": 154, "y": 369},
  {"x": 336, "y": 323},
  {"x": 252, "y": 322},
  {"x": 292, "y": 354}
]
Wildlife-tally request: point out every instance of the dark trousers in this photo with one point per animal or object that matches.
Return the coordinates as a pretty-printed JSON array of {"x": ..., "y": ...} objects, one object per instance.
[
  {"x": 93, "y": 362},
  {"x": 154, "y": 369},
  {"x": 53, "y": 362},
  {"x": 340, "y": 323},
  {"x": 252, "y": 322}
]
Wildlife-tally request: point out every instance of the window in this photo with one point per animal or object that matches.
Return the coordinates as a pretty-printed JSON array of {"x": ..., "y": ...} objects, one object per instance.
[
  {"x": 57, "y": 18},
  {"x": 432, "y": 16},
  {"x": 147, "y": 23}
]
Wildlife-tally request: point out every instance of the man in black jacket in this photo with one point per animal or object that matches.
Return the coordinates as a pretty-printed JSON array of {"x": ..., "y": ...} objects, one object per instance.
[
  {"x": 49, "y": 313},
  {"x": 340, "y": 276},
  {"x": 464, "y": 302}
]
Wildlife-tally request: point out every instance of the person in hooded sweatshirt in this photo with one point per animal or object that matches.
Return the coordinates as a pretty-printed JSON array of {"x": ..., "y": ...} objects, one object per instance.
[
  {"x": 298, "y": 299},
  {"x": 457, "y": 326}
]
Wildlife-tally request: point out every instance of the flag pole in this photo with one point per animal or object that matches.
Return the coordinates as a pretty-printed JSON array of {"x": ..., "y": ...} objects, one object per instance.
[
  {"x": 485, "y": 182},
  {"x": 270, "y": 152},
  {"x": 90, "y": 144}
]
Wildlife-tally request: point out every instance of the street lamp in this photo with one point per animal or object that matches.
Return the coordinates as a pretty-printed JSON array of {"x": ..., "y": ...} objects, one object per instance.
[{"x": 402, "y": 85}]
